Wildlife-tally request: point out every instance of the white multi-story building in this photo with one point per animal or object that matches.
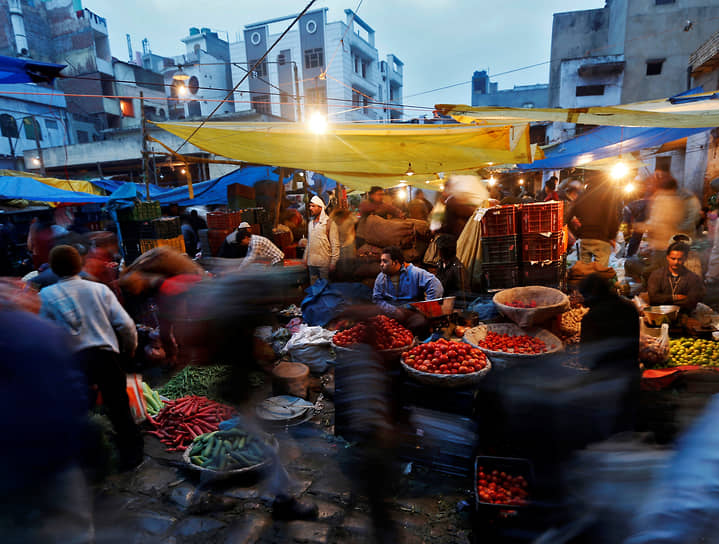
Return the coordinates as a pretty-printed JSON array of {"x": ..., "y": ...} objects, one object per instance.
[{"x": 330, "y": 67}]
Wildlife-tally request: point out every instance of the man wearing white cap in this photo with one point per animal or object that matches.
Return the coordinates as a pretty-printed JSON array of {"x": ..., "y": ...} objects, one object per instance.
[
  {"x": 323, "y": 242},
  {"x": 254, "y": 248}
]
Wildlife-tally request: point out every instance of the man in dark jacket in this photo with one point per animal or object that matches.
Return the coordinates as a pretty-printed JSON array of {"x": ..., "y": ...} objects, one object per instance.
[
  {"x": 597, "y": 217},
  {"x": 674, "y": 283}
]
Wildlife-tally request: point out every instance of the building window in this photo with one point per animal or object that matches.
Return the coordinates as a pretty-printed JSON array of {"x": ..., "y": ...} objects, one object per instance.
[
  {"x": 32, "y": 127},
  {"x": 316, "y": 96},
  {"x": 50, "y": 124},
  {"x": 8, "y": 126},
  {"x": 663, "y": 163},
  {"x": 261, "y": 103},
  {"x": 356, "y": 99},
  {"x": 260, "y": 70},
  {"x": 314, "y": 58},
  {"x": 528, "y": 105},
  {"x": 127, "y": 108},
  {"x": 356, "y": 60},
  {"x": 194, "y": 109},
  {"x": 365, "y": 65},
  {"x": 83, "y": 137},
  {"x": 193, "y": 85},
  {"x": 654, "y": 67},
  {"x": 589, "y": 90},
  {"x": 662, "y": 2}
]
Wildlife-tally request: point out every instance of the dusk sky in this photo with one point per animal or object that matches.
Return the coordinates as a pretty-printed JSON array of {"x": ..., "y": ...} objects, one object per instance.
[{"x": 441, "y": 42}]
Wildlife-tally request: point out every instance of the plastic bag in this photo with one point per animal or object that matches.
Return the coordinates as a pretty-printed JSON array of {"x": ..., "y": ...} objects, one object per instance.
[
  {"x": 653, "y": 344},
  {"x": 310, "y": 346}
]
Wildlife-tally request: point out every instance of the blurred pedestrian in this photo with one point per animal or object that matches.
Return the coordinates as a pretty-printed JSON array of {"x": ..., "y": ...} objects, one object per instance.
[
  {"x": 102, "y": 332},
  {"x": 419, "y": 207}
]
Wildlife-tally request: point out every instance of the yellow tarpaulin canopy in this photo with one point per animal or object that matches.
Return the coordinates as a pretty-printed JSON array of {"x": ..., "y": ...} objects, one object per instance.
[
  {"x": 693, "y": 111},
  {"x": 360, "y": 156},
  {"x": 65, "y": 184}
]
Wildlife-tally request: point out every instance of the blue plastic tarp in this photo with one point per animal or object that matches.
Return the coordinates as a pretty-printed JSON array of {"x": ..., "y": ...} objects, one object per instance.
[
  {"x": 16, "y": 187},
  {"x": 214, "y": 191},
  {"x": 605, "y": 142},
  {"x": 14, "y": 70},
  {"x": 111, "y": 185}
]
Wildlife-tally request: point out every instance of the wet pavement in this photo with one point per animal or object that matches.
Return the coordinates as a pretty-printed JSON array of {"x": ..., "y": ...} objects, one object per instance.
[{"x": 162, "y": 502}]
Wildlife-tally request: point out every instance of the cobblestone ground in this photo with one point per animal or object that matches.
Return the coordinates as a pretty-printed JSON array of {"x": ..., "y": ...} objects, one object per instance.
[{"x": 161, "y": 502}]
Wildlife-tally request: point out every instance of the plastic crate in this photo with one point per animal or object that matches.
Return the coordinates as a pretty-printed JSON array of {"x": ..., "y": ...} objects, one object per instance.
[
  {"x": 141, "y": 211},
  {"x": 224, "y": 220},
  {"x": 542, "y": 217},
  {"x": 547, "y": 273},
  {"x": 510, "y": 465},
  {"x": 500, "y": 276},
  {"x": 542, "y": 247},
  {"x": 499, "y": 249},
  {"x": 137, "y": 229},
  {"x": 500, "y": 221},
  {"x": 166, "y": 227},
  {"x": 215, "y": 238},
  {"x": 177, "y": 243}
]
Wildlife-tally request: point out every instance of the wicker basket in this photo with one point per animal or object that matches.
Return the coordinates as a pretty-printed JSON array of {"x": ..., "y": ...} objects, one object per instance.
[
  {"x": 210, "y": 474},
  {"x": 502, "y": 359},
  {"x": 550, "y": 302},
  {"x": 447, "y": 380}
]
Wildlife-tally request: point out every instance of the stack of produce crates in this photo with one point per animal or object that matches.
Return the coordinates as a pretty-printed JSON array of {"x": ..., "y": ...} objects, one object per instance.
[
  {"x": 500, "y": 248},
  {"x": 164, "y": 231},
  {"x": 220, "y": 224},
  {"x": 543, "y": 244},
  {"x": 136, "y": 225}
]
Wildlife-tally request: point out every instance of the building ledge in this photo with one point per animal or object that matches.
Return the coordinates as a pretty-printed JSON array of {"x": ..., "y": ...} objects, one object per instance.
[{"x": 598, "y": 69}]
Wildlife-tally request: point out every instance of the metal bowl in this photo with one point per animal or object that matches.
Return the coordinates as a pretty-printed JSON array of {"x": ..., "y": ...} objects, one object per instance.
[{"x": 656, "y": 316}]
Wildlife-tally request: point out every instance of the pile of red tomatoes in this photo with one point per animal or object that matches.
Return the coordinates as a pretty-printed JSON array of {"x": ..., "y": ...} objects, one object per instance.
[
  {"x": 498, "y": 487},
  {"x": 513, "y": 344},
  {"x": 444, "y": 357},
  {"x": 521, "y": 304},
  {"x": 381, "y": 332}
]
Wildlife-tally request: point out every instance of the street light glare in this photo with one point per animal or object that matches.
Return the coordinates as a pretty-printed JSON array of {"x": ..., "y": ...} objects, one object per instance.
[
  {"x": 619, "y": 170},
  {"x": 182, "y": 90},
  {"x": 492, "y": 182},
  {"x": 629, "y": 188},
  {"x": 317, "y": 123}
]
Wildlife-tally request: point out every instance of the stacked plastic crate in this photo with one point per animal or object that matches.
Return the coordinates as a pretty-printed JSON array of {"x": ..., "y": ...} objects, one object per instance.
[
  {"x": 165, "y": 231},
  {"x": 135, "y": 225},
  {"x": 543, "y": 244},
  {"x": 220, "y": 225},
  {"x": 500, "y": 248}
]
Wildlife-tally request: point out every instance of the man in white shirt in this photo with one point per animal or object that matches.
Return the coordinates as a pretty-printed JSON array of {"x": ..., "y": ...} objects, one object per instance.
[
  {"x": 323, "y": 242},
  {"x": 100, "y": 330}
]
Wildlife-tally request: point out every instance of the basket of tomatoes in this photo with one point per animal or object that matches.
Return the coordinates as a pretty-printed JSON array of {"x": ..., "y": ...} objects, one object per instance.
[
  {"x": 529, "y": 305},
  {"x": 446, "y": 364},
  {"x": 502, "y": 483},
  {"x": 383, "y": 333},
  {"x": 506, "y": 344}
]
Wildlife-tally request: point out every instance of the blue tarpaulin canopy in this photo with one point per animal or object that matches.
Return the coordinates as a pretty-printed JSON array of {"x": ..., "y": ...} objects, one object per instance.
[
  {"x": 111, "y": 185},
  {"x": 604, "y": 142},
  {"x": 13, "y": 70},
  {"x": 15, "y": 187},
  {"x": 214, "y": 191}
]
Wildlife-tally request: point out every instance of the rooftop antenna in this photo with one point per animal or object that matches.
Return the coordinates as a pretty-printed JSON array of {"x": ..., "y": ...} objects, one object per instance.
[
  {"x": 129, "y": 48},
  {"x": 145, "y": 46}
]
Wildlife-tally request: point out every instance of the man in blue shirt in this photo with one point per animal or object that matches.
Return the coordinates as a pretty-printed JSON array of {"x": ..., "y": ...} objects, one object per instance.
[{"x": 399, "y": 283}]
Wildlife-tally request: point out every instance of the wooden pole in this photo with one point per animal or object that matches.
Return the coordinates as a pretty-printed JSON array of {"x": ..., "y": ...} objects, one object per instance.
[
  {"x": 188, "y": 174},
  {"x": 280, "y": 197}
]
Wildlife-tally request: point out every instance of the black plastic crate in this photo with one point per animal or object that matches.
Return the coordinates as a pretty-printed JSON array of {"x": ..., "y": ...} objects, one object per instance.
[
  {"x": 547, "y": 273},
  {"x": 500, "y": 276},
  {"x": 513, "y": 466},
  {"x": 136, "y": 229},
  {"x": 166, "y": 227},
  {"x": 455, "y": 401},
  {"x": 500, "y": 249}
]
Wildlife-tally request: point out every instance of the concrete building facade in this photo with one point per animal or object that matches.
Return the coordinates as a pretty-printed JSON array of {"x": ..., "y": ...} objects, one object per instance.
[
  {"x": 487, "y": 93},
  {"x": 627, "y": 51},
  {"x": 329, "y": 67}
]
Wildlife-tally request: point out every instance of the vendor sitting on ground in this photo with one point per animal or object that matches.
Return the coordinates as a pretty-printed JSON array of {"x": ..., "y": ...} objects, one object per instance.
[
  {"x": 674, "y": 283},
  {"x": 254, "y": 248},
  {"x": 399, "y": 283}
]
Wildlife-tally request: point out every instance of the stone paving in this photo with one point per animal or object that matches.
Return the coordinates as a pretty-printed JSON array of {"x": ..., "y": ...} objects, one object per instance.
[{"x": 161, "y": 502}]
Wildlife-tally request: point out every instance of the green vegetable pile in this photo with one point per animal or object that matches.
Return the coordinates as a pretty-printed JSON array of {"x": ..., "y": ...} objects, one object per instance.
[
  {"x": 153, "y": 402},
  {"x": 202, "y": 381},
  {"x": 227, "y": 450},
  {"x": 693, "y": 351}
]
